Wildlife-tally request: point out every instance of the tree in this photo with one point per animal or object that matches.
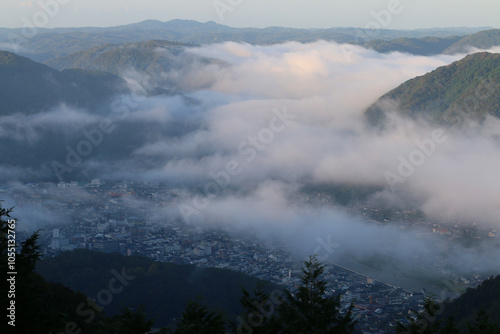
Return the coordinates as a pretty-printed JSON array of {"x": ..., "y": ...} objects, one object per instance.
[
  {"x": 482, "y": 325},
  {"x": 30, "y": 290},
  {"x": 198, "y": 319},
  {"x": 311, "y": 310},
  {"x": 42, "y": 307},
  {"x": 450, "y": 327},
  {"x": 129, "y": 321},
  {"x": 261, "y": 310}
]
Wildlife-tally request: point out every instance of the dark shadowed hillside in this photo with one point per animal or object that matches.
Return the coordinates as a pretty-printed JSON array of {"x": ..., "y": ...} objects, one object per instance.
[
  {"x": 485, "y": 297},
  {"x": 163, "y": 287},
  {"x": 27, "y": 87}
]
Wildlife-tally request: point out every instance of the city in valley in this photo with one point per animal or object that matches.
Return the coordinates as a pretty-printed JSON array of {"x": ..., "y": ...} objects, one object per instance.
[{"x": 123, "y": 217}]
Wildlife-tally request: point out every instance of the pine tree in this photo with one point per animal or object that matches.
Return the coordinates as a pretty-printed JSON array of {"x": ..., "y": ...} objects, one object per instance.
[
  {"x": 311, "y": 310},
  {"x": 422, "y": 322},
  {"x": 450, "y": 327},
  {"x": 482, "y": 325},
  {"x": 198, "y": 319},
  {"x": 261, "y": 311},
  {"x": 129, "y": 321}
]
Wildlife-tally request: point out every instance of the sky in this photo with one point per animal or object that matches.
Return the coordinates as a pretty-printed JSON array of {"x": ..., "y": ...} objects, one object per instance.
[{"x": 403, "y": 14}]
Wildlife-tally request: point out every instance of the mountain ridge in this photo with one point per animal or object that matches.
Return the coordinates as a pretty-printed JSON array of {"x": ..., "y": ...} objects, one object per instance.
[
  {"x": 57, "y": 42},
  {"x": 466, "y": 89},
  {"x": 27, "y": 86}
]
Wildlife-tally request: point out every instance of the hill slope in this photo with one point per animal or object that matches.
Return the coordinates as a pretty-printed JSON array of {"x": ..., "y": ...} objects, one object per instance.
[
  {"x": 465, "y": 308},
  {"x": 164, "y": 288},
  {"x": 418, "y": 46},
  {"x": 481, "y": 40},
  {"x": 152, "y": 58},
  {"x": 466, "y": 89},
  {"x": 27, "y": 87},
  {"x": 114, "y": 58}
]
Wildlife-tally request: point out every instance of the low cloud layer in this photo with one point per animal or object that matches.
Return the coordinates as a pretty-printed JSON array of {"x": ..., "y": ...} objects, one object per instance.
[{"x": 250, "y": 131}]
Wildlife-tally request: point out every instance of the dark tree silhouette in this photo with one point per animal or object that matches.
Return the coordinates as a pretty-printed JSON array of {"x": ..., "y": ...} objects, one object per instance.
[{"x": 198, "y": 319}]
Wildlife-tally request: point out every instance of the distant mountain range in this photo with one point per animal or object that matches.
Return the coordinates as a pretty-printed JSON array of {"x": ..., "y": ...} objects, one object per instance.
[
  {"x": 466, "y": 89},
  {"x": 433, "y": 45},
  {"x": 52, "y": 43},
  {"x": 425, "y": 46}
]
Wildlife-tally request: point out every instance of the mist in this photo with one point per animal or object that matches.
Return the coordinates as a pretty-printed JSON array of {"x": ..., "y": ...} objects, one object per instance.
[{"x": 247, "y": 134}]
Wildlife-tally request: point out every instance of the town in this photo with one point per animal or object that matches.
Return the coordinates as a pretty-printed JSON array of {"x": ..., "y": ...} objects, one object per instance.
[{"x": 125, "y": 217}]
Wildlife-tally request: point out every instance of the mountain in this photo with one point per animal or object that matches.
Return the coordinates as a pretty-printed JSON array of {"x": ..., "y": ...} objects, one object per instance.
[
  {"x": 481, "y": 40},
  {"x": 152, "y": 58},
  {"x": 164, "y": 288},
  {"x": 36, "y": 137},
  {"x": 114, "y": 58},
  {"x": 425, "y": 46},
  {"x": 465, "y": 308},
  {"x": 58, "y": 42},
  {"x": 27, "y": 87},
  {"x": 466, "y": 89}
]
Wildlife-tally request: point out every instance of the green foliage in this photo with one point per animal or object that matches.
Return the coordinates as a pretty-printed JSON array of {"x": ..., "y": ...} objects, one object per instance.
[
  {"x": 468, "y": 89},
  {"x": 418, "y": 46},
  {"x": 112, "y": 58},
  {"x": 482, "y": 40}
]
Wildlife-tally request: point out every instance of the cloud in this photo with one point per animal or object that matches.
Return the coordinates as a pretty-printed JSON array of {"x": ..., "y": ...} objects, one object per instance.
[
  {"x": 327, "y": 142},
  {"x": 259, "y": 124}
]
